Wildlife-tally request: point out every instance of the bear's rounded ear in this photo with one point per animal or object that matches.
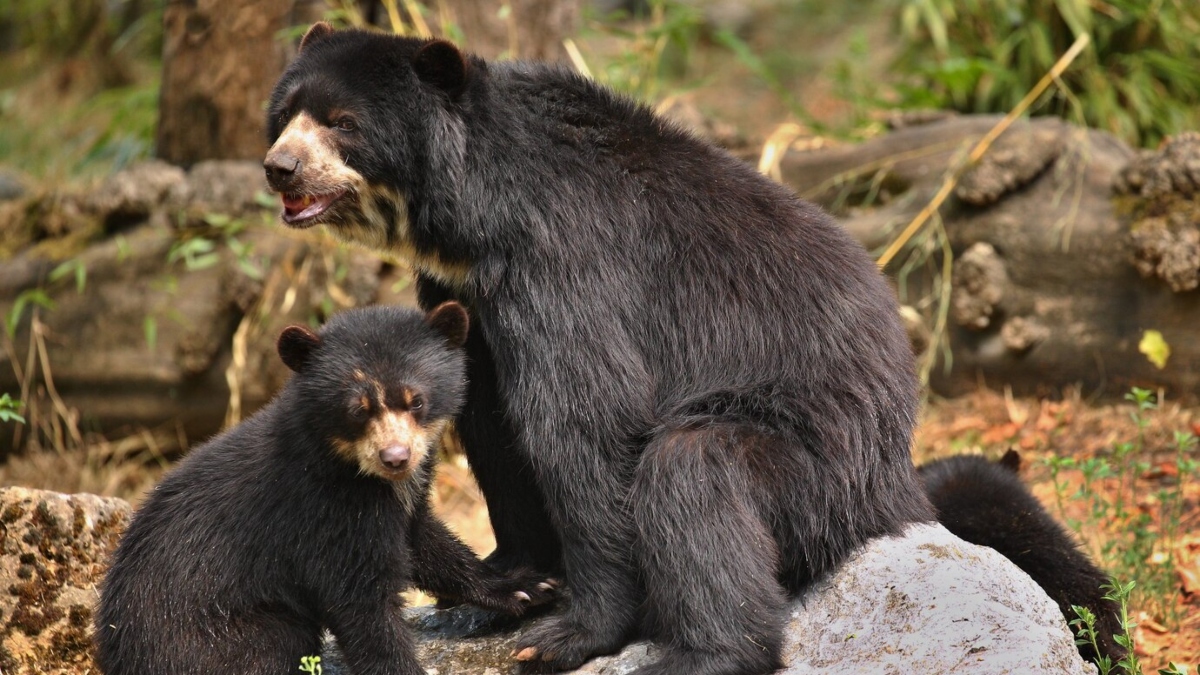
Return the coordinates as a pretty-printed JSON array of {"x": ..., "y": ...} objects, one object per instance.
[
  {"x": 1011, "y": 461},
  {"x": 295, "y": 345},
  {"x": 317, "y": 32},
  {"x": 450, "y": 319},
  {"x": 442, "y": 65}
]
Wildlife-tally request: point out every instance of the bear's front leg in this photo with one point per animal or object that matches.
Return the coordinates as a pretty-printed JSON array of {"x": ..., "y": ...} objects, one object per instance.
[
  {"x": 525, "y": 537},
  {"x": 373, "y": 636},
  {"x": 448, "y": 569},
  {"x": 589, "y": 508}
]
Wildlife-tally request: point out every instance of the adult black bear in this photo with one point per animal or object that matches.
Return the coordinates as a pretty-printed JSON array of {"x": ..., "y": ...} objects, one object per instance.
[
  {"x": 689, "y": 388},
  {"x": 310, "y": 514},
  {"x": 986, "y": 503}
]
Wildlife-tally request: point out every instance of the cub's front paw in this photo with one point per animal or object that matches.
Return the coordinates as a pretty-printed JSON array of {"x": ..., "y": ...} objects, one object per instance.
[{"x": 519, "y": 591}]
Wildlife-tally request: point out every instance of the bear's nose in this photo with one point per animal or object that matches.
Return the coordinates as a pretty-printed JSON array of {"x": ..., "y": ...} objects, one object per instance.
[
  {"x": 395, "y": 457},
  {"x": 281, "y": 168}
]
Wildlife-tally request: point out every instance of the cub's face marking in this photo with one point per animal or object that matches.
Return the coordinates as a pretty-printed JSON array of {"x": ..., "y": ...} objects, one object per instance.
[{"x": 394, "y": 440}]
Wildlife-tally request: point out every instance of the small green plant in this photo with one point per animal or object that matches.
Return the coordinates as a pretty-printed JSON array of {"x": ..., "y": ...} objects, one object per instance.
[
  {"x": 150, "y": 331},
  {"x": 32, "y": 297},
  {"x": 200, "y": 251},
  {"x": 1084, "y": 626},
  {"x": 196, "y": 253},
  {"x": 9, "y": 408},
  {"x": 1085, "y": 631},
  {"x": 1139, "y": 547},
  {"x": 310, "y": 665},
  {"x": 73, "y": 267}
]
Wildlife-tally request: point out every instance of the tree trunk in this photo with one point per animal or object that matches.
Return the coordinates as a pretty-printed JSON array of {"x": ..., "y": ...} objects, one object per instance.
[{"x": 220, "y": 60}]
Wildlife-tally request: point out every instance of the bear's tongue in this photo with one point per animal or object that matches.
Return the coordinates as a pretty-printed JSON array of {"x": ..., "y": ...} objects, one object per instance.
[{"x": 302, "y": 207}]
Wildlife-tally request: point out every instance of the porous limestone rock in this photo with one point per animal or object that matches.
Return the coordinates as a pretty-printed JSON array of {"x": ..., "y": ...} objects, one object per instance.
[{"x": 53, "y": 551}]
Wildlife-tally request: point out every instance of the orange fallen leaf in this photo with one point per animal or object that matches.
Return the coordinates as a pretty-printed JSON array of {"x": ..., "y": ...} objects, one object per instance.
[
  {"x": 1031, "y": 441},
  {"x": 1161, "y": 470},
  {"x": 1000, "y": 433},
  {"x": 968, "y": 423},
  {"x": 1051, "y": 416}
]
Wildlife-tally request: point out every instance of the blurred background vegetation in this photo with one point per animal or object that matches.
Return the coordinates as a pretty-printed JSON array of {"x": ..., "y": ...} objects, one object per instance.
[
  {"x": 1138, "y": 80},
  {"x": 81, "y": 81}
]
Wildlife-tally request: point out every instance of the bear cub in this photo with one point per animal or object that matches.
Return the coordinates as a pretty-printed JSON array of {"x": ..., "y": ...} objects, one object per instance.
[
  {"x": 310, "y": 515},
  {"x": 985, "y": 503}
]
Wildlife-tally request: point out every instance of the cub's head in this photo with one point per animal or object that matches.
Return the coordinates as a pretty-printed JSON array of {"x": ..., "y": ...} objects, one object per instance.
[
  {"x": 357, "y": 123},
  {"x": 378, "y": 385}
]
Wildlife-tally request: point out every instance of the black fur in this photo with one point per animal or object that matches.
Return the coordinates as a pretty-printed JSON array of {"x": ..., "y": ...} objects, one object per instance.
[
  {"x": 264, "y": 535},
  {"x": 986, "y": 503},
  {"x": 689, "y": 388}
]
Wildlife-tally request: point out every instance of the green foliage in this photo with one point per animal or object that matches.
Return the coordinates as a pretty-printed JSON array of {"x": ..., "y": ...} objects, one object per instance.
[
  {"x": 73, "y": 267},
  {"x": 1140, "y": 547},
  {"x": 70, "y": 27},
  {"x": 9, "y": 408},
  {"x": 1085, "y": 632},
  {"x": 107, "y": 132},
  {"x": 150, "y": 331},
  {"x": 1139, "y": 80},
  {"x": 200, "y": 251},
  {"x": 32, "y": 297},
  {"x": 1084, "y": 626}
]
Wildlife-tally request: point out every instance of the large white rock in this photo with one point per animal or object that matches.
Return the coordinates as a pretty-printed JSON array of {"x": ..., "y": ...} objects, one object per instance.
[
  {"x": 928, "y": 602},
  {"x": 925, "y": 602}
]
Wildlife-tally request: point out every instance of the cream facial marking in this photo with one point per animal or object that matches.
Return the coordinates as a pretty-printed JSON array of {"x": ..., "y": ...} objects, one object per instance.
[
  {"x": 304, "y": 166},
  {"x": 318, "y": 187},
  {"x": 393, "y": 446}
]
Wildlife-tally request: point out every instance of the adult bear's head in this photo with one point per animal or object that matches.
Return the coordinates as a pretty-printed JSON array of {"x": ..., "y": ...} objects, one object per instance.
[{"x": 359, "y": 124}]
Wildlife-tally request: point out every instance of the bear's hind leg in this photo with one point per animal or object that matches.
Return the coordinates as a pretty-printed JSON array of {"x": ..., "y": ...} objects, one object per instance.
[
  {"x": 264, "y": 643},
  {"x": 707, "y": 559}
]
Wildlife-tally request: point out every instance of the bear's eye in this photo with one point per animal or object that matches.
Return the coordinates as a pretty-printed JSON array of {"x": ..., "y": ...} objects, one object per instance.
[
  {"x": 417, "y": 403},
  {"x": 360, "y": 407},
  {"x": 345, "y": 124}
]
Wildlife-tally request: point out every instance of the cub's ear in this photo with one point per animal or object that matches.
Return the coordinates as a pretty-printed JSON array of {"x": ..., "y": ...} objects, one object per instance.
[
  {"x": 442, "y": 65},
  {"x": 1011, "y": 461},
  {"x": 317, "y": 32},
  {"x": 295, "y": 345},
  {"x": 449, "y": 319}
]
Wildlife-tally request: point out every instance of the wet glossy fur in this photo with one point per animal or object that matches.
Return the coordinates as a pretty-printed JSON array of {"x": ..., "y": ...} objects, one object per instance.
[{"x": 688, "y": 388}]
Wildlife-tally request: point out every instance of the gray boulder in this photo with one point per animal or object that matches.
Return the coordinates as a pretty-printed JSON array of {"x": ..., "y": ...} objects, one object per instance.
[{"x": 925, "y": 602}]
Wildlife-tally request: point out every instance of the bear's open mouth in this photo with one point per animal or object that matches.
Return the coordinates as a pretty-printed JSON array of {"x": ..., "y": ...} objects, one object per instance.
[{"x": 300, "y": 210}]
